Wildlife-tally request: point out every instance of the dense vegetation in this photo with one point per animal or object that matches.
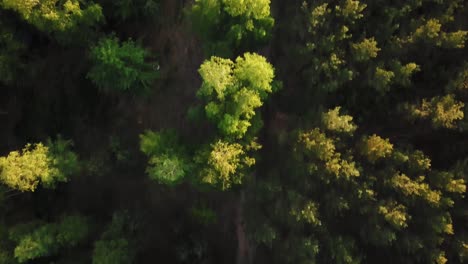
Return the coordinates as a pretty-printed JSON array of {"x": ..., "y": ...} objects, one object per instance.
[{"x": 233, "y": 131}]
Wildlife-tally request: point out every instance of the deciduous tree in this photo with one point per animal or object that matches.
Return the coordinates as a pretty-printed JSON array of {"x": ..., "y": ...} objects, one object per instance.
[{"x": 121, "y": 66}]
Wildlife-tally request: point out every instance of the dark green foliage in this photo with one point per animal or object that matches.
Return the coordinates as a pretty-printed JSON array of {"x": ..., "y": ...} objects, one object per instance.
[
  {"x": 111, "y": 251},
  {"x": 114, "y": 247},
  {"x": 204, "y": 215},
  {"x": 121, "y": 66},
  {"x": 135, "y": 9},
  {"x": 10, "y": 49},
  {"x": 48, "y": 239},
  {"x": 228, "y": 25},
  {"x": 63, "y": 158}
]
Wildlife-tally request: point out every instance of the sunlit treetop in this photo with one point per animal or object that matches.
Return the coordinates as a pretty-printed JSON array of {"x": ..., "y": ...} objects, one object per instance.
[
  {"x": 46, "y": 164},
  {"x": 224, "y": 164},
  {"x": 56, "y": 15},
  {"x": 375, "y": 148},
  {"x": 443, "y": 112},
  {"x": 322, "y": 152},
  {"x": 234, "y": 91},
  {"x": 249, "y": 8},
  {"x": 333, "y": 121}
]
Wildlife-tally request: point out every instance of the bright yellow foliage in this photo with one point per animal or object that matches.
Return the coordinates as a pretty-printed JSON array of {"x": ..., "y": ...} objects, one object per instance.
[
  {"x": 55, "y": 15},
  {"x": 23, "y": 170},
  {"x": 375, "y": 148}
]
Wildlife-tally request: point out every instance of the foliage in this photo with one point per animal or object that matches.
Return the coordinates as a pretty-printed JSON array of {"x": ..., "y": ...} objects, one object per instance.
[
  {"x": 365, "y": 50},
  {"x": 111, "y": 251},
  {"x": 24, "y": 170},
  {"x": 168, "y": 163},
  {"x": 333, "y": 121},
  {"x": 113, "y": 246},
  {"x": 231, "y": 24},
  {"x": 234, "y": 91},
  {"x": 56, "y": 15},
  {"x": 225, "y": 163},
  {"x": 121, "y": 66},
  {"x": 442, "y": 111},
  {"x": 48, "y": 239},
  {"x": 361, "y": 157},
  {"x": 320, "y": 149},
  {"x": 388, "y": 192},
  {"x": 375, "y": 148}
]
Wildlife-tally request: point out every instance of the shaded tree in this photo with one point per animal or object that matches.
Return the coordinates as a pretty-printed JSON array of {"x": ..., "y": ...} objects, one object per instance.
[
  {"x": 231, "y": 25},
  {"x": 121, "y": 66}
]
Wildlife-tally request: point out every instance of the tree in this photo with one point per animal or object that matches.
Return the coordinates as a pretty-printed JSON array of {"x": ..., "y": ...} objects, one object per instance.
[
  {"x": 234, "y": 91},
  {"x": 46, "y": 164},
  {"x": 227, "y": 25},
  {"x": 111, "y": 251},
  {"x": 334, "y": 121},
  {"x": 114, "y": 245},
  {"x": 55, "y": 16},
  {"x": 225, "y": 164},
  {"x": 121, "y": 66},
  {"x": 47, "y": 239},
  {"x": 442, "y": 111},
  {"x": 168, "y": 161},
  {"x": 375, "y": 147}
]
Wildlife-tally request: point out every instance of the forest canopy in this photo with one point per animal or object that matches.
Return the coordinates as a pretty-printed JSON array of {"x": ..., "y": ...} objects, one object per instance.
[{"x": 233, "y": 131}]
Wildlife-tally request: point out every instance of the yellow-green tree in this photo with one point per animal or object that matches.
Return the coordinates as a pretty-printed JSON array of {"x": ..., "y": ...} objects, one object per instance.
[
  {"x": 233, "y": 91},
  {"x": 56, "y": 15},
  {"x": 38, "y": 163}
]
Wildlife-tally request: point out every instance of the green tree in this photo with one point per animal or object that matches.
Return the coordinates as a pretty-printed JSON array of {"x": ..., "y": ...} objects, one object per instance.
[
  {"x": 442, "y": 111},
  {"x": 121, "y": 66},
  {"x": 227, "y": 25},
  {"x": 114, "y": 245},
  {"x": 48, "y": 239},
  {"x": 111, "y": 251},
  {"x": 168, "y": 162}
]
